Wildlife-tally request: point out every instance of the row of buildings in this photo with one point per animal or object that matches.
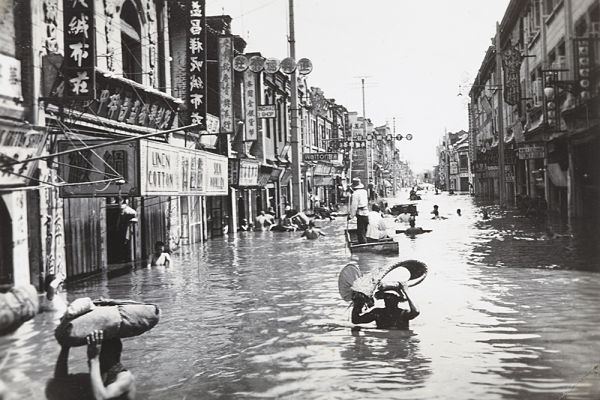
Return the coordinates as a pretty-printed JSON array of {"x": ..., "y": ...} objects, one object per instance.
[
  {"x": 127, "y": 122},
  {"x": 543, "y": 102}
]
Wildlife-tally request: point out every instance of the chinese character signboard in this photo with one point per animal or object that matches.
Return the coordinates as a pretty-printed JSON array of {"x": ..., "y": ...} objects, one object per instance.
[
  {"x": 226, "y": 83},
  {"x": 196, "y": 63},
  {"x": 250, "y": 102},
  {"x": 511, "y": 61},
  {"x": 80, "y": 54},
  {"x": 248, "y": 173},
  {"x": 10, "y": 77},
  {"x": 93, "y": 168}
]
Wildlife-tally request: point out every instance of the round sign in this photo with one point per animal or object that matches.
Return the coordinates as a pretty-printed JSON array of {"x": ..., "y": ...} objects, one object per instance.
[
  {"x": 240, "y": 63},
  {"x": 399, "y": 137},
  {"x": 256, "y": 63},
  {"x": 369, "y": 136},
  {"x": 288, "y": 65},
  {"x": 271, "y": 65},
  {"x": 305, "y": 66},
  {"x": 409, "y": 136}
]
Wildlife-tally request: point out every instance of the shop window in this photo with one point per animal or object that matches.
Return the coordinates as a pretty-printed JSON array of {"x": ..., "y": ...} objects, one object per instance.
[{"x": 131, "y": 43}]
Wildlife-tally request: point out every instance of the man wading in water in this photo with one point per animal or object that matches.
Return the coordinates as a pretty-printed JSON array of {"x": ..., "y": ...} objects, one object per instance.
[{"x": 390, "y": 317}]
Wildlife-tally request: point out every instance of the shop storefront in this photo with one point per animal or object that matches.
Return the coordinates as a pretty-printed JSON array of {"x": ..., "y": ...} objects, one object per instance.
[
  {"x": 243, "y": 179},
  {"x": 158, "y": 196}
]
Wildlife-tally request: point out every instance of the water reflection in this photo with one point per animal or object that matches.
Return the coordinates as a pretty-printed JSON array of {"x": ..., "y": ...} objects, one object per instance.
[{"x": 258, "y": 315}]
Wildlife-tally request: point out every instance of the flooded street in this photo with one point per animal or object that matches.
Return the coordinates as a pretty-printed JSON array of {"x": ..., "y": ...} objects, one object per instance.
[{"x": 258, "y": 315}]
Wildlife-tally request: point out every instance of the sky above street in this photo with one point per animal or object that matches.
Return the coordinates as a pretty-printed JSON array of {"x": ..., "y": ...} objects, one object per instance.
[{"x": 418, "y": 56}]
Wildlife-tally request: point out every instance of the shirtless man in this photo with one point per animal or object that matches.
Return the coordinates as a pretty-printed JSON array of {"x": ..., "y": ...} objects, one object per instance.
[
  {"x": 160, "y": 256},
  {"x": 390, "y": 317}
]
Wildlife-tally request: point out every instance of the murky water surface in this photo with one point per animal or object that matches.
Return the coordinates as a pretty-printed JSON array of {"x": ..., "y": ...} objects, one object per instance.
[{"x": 503, "y": 316}]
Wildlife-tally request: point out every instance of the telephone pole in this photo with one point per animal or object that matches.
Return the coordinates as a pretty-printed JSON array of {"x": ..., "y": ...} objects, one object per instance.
[
  {"x": 501, "y": 176},
  {"x": 297, "y": 196}
]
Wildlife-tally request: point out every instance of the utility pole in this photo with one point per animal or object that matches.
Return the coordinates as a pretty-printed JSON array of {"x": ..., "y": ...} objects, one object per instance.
[
  {"x": 297, "y": 196},
  {"x": 501, "y": 175}
]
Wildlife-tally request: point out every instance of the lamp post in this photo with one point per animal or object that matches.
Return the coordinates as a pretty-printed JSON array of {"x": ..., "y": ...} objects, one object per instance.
[{"x": 296, "y": 178}]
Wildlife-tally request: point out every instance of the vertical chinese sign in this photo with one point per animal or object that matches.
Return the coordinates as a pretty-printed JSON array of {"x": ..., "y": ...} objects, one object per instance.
[
  {"x": 226, "y": 84},
  {"x": 80, "y": 54},
  {"x": 511, "y": 63},
  {"x": 250, "y": 103},
  {"x": 196, "y": 62}
]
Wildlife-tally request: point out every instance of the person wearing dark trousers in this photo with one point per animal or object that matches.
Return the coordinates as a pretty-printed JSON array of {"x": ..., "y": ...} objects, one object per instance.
[{"x": 359, "y": 207}]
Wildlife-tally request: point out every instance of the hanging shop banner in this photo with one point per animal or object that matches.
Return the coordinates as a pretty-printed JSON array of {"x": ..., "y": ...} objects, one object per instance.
[
  {"x": 19, "y": 143},
  {"x": 453, "y": 167},
  {"x": 264, "y": 175},
  {"x": 226, "y": 83},
  {"x": 215, "y": 175},
  {"x": 196, "y": 63},
  {"x": 80, "y": 54},
  {"x": 266, "y": 111},
  {"x": 250, "y": 102},
  {"x": 248, "y": 173},
  {"x": 88, "y": 173},
  {"x": 212, "y": 125},
  {"x": 359, "y": 165},
  {"x": 286, "y": 176},
  {"x": 511, "y": 62},
  {"x": 320, "y": 156},
  {"x": 529, "y": 151}
]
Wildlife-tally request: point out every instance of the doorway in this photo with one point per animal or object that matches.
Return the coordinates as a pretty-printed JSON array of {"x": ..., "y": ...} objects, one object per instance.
[{"x": 6, "y": 246}]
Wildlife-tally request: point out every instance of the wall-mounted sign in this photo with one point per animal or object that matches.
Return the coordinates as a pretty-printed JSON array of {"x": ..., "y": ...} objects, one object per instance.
[
  {"x": 528, "y": 151},
  {"x": 248, "y": 173},
  {"x": 18, "y": 143},
  {"x": 10, "y": 77},
  {"x": 256, "y": 63},
  {"x": 320, "y": 156},
  {"x": 161, "y": 173},
  {"x": 288, "y": 65},
  {"x": 453, "y": 167},
  {"x": 80, "y": 53},
  {"x": 215, "y": 175},
  {"x": 240, "y": 63},
  {"x": 196, "y": 64},
  {"x": 305, "y": 66},
  {"x": 226, "y": 83},
  {"x": 250, "y": 103},
  {"x": 119, "y": 100},
  {"x": 271, "y": 65},
  {"x": 266, "y": 111},
  {"x": 97, "y": 166},
  {"x": 148, "y": 168}
]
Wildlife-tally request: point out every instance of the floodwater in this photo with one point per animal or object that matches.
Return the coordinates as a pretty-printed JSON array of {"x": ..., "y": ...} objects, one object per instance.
[{"x": 258, "y": 315}]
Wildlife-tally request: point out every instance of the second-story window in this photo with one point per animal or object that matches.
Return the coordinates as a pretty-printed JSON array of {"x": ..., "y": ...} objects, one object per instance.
[{"x": 131, "y": 42}]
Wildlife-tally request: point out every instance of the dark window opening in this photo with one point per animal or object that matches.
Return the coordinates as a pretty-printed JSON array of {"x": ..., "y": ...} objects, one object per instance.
[{"x": 131, "y": 43}]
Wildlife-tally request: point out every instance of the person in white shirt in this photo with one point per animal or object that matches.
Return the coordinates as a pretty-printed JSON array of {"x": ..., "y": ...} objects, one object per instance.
[
  {"x": 359, "y": 207},
  {"x": 376, "y": 230},
  {"x": 160, "y": 256}
]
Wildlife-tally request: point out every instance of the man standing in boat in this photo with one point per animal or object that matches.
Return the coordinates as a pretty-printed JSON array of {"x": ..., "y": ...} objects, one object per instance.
[{"x": 359, "y": 207}]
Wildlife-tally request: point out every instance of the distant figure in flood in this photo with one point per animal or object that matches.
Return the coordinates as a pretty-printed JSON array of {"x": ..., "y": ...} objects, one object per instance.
[
  {"x": 245, "y": 226},
  {"x": 390, "y": 317},
  {"x": 458, "y": 212},
  {"x": 550, "y": 234},
  {"x": 436, "y": 213},
  {"x": 54, "y": 300},
  {"x": 262, "y": 222},
  {"x": 412, "y": 230},
  {"x": 312, "y": 232},
  {"x": 485, "y": 215},
  {"x": 160, "y": 256}
]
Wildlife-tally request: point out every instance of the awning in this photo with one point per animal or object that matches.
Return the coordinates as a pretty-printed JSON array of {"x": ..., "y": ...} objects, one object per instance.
[{"x": 19, "y": 142}]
